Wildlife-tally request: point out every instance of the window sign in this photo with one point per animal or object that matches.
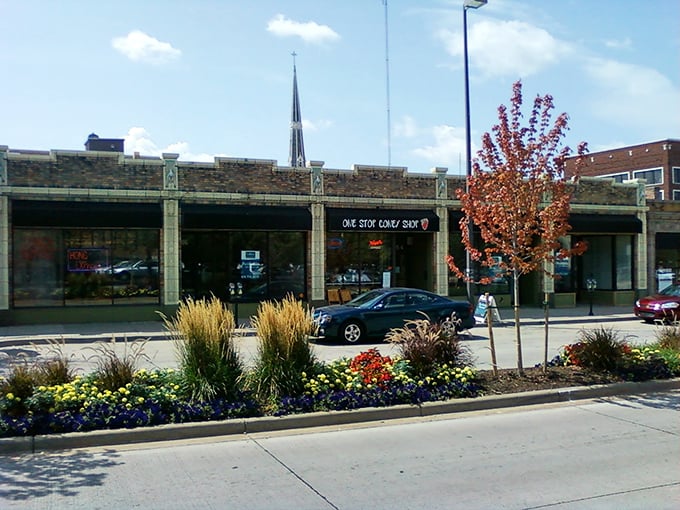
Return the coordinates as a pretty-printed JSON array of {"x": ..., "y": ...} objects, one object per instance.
[
  {"x": 251, "y": 266},
  {"x": 81, "y": 260}
]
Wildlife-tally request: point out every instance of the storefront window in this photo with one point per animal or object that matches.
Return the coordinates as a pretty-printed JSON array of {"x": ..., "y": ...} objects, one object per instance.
[
  {"x": 248, "y": 266},
  {"x": 64, "y": 267},
  {"x": 609, "y": 260},
  {"x": 358, "y": 260}
]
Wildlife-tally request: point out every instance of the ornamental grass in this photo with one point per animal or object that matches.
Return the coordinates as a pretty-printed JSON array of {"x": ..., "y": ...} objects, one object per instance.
[
  {"x": 203, "y": 331},
  {"x": 284, "y": 352},
  {"x": 429, "y": 345}
]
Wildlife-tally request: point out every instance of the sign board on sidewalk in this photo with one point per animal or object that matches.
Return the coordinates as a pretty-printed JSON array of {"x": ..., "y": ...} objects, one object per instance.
[{"x": 486, "y": 302}]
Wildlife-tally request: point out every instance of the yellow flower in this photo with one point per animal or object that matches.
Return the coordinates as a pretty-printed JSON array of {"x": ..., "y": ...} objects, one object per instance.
[{"x": 10, "y": 396}]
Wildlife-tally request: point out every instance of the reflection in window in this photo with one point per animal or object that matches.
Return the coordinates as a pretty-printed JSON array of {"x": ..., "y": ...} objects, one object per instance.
[
  {"x": 609, "y": 259},
  {"x": 248, "y": 266},
  {"x": 357, "y": 260},
  {"x": 58, "y": 267}
]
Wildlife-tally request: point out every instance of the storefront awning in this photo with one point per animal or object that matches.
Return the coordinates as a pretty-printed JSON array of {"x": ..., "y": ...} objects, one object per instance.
[
  {"x": 605, "y": 223},
  {"x": 587, "y": 223},
  {"x": 45, "y": 213},
  {"x": 246, "y": 217}
]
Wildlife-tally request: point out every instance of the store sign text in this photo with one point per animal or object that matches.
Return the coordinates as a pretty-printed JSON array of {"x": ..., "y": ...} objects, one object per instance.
[{"x": 385, "y": 224}]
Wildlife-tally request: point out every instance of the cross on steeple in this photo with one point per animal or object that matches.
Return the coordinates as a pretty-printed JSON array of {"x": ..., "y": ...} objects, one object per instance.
[{"x": 296, "y": 155}]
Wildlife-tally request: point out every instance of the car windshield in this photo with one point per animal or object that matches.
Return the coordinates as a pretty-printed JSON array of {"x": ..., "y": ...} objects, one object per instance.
[
  {"x": 671, "y": 290},
  {"x": 366, "y": 299}
]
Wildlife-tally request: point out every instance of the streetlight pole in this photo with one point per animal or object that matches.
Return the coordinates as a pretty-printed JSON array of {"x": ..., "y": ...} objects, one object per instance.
[{"x": 468, "y": 4}]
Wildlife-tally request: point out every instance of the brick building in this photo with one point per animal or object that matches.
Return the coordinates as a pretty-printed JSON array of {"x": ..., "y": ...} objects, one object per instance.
[{"x": 99, "y": 235}]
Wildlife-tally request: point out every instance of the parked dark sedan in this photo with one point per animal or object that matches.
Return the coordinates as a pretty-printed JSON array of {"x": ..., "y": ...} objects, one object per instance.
[
  {"x": 377, "y": 311},
  {"x": 662, "y": 306}
]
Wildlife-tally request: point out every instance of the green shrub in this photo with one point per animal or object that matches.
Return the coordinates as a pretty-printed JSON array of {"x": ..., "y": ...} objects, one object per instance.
[
  {"x": 429, "y": 345},
  {"x": 204, "y": 340},
  {"x": 56, "y": 368},
  {"x": 284, "y": 351},
  {"x": 113, "y": 370},
  {"x": 16, "y": 388},
  {"x": 668, "y": 337},
  {"x": 601, "y": 349}
]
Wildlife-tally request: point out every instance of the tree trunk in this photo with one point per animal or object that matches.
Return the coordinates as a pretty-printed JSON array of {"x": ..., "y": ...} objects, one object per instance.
[
  {"x": 492, "y": 344},
  {"x": 546, "y": 296},
  {"x": 518, "y": 336}
]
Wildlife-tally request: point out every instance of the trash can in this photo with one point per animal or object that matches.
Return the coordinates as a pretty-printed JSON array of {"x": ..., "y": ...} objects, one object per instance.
[{"x": 664, "y": 278}]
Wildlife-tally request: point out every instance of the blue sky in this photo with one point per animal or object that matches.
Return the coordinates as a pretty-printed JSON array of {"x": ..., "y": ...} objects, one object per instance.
[{"x": 207, "y": 78}]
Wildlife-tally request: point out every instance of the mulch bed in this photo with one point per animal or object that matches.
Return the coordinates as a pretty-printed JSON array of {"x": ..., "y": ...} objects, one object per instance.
[{"x": 509, "y": 381}]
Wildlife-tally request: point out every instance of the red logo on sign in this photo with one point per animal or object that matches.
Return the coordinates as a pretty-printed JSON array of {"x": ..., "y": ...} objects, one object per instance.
[{"x": 424, "y": 222}]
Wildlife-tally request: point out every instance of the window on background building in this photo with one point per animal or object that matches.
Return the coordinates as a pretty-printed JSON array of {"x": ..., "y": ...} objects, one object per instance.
[
  {"x": 620, "y": 177},
  {"x": 676, "y": 194},
  {"x": 652, "y": 176},
  {"x": 66, "y": 267},
  {"x": 676, "y": 175}
]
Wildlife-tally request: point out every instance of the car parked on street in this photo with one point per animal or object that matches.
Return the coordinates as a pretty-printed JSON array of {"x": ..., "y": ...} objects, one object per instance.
[
  {"x": 663, "y": 306},
  {"x": 375, "y": 312}
]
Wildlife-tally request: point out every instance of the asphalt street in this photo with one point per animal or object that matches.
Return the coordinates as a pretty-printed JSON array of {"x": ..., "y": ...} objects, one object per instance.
[{"x": 79, "y": 342}]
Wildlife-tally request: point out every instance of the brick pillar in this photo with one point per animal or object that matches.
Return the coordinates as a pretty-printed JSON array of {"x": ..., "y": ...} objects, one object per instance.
[
  {"x": 317, "y": 260},
  {"x": 4, "y": 234},
  {"x": 171, "y": 233}
]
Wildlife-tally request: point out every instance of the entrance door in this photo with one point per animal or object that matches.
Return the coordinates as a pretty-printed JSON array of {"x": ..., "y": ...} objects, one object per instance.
[{"x": 414, "y": 259}]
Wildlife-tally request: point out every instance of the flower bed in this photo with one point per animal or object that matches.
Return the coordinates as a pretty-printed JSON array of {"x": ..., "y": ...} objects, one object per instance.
[
  {"x": 155, "y": 397},
  {"x": 47, "y": 398}
]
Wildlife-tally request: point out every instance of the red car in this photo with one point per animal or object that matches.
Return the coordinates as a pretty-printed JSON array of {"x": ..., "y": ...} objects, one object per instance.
[{"x": 662, "y": 306}]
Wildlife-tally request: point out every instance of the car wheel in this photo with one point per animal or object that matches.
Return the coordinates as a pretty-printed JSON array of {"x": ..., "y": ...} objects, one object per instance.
[
  {"x": 448, "y": 327},
  {"x": 351, "y": 332}
]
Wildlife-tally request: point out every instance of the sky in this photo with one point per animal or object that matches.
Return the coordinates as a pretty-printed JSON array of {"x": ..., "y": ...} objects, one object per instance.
[{"x": 381, "y": 82}]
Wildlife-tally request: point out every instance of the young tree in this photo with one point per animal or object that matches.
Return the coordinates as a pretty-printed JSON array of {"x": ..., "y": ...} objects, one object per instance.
[{"x": 520, "y": 200}]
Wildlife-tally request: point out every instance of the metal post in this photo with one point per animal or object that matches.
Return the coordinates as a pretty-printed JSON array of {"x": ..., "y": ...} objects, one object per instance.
[{"x": 469, "y": 273}]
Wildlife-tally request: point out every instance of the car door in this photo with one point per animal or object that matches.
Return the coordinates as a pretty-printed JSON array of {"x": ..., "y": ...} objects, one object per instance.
[
  {"x": 386, "y": 314},
  {"x": 419, "y": 303}
]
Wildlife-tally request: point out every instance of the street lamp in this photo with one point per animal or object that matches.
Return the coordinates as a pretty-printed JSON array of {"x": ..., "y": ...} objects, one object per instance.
[
  {"x": 591, "y": 285},
  {"x": 468, "y": 4}
]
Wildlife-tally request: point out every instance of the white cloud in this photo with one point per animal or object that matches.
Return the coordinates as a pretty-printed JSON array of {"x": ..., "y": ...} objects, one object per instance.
[
  {"x": 633, "y": 95},
  {"x": 139, "y": 140},
  {"x": 506, "y": 48},
  {"x": 448, "y": 148},
  {"x": 405, "y": 127},
  {"x": 316, "y": 125},
  {"x": 619, "y": 43},
  {"x": 310, "y": 31},
  {"x": 140, "y": 47}
]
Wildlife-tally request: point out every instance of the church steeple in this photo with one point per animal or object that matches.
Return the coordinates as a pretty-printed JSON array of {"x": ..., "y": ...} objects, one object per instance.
[{"x": 296, "y": 155}]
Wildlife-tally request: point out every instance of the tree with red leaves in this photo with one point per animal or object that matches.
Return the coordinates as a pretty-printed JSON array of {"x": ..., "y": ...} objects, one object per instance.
[{"x": 520, "y": 200}]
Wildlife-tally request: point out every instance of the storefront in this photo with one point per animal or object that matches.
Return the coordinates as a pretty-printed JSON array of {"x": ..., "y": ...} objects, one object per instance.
[
  {"x": 369, "y": 248},
  {"x": 244, "y": 253},
  {"x": 67, "y": 254},
  {"x": 93, "y": 236}
]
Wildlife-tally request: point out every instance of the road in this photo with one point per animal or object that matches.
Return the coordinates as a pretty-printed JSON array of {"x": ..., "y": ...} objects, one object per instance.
[
  {"x": 161, "y": 353},
  {"x": 621, "y": 453}
]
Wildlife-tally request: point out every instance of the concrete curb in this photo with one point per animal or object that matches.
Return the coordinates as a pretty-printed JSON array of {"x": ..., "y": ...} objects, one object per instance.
[{"x": 174, "y": 432}]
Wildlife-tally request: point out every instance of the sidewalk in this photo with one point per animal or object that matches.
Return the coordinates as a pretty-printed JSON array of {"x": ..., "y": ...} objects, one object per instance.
[{"x": 85, "y": 333}]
